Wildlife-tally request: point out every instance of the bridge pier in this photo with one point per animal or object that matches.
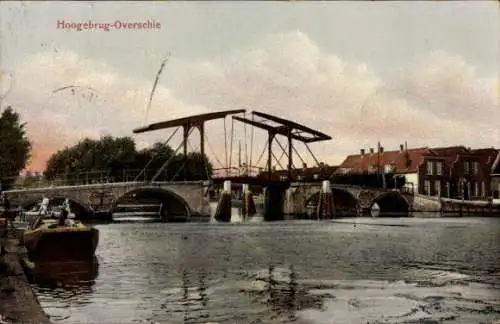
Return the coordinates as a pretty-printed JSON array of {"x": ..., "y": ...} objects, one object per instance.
[
  {"x": 273, "y": 202},
  {"x": 248, "y": 203},
  {"x": 295, "y": 201},
  {"x": 223, "y": 211}
]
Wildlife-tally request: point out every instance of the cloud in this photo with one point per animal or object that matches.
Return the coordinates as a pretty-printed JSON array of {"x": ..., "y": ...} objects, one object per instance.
[
  {"x": 439, "y": 101},
  {"x": 97, "y": 100}
]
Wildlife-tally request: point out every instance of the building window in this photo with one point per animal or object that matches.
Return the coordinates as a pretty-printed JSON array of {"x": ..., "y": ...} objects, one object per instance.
[
  {"x": 429, "y": 167},
  {"x": 439, "y": 168},
  {"x": 300, "y": 178},
  {"x": 427, "y": 187},
  {"x": 483, "y": 189},
  {"x": 283, "y": 177},
  {"x": 437, "y": 187},
  {"x": 466, "y": 168},
  {"x": 316, "y": 176},
  {"x": 388, "y": 168},
  {"x": 476, "y": 189},
  {"x": 476, "y": 167}
]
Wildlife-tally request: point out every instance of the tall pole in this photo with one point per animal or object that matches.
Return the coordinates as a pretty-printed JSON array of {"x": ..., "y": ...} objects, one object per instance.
[
  {"x": 378, "y": 157},
  {"x": 270, "y": 139},
  {"x": 239, "y": 154},
  {"x": 201, "y": 128},
  {"x": 290, "y": 160},
  {"x": 185, "y": 136}
]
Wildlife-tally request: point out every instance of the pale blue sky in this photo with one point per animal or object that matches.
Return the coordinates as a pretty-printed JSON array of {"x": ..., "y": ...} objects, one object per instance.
[{"x": 439, "y": 48}]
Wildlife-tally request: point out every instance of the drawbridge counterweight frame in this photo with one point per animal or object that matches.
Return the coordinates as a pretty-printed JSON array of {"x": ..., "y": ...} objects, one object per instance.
[{"x": 291, "y": 130}]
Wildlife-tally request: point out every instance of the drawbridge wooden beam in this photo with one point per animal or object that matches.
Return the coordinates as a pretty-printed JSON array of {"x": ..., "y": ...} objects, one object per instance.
[
  {"x": 191, "y": 120},
  {"x": 187, "y": 123}
]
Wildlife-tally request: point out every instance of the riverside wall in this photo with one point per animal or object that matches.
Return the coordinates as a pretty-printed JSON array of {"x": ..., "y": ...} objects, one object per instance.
[
  {"x": 18, "y": 303},
  {"x": 425, "y": 206}
]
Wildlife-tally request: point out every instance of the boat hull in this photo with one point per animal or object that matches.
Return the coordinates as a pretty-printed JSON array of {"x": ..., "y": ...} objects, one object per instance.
[{"x": 61, "y": 245}]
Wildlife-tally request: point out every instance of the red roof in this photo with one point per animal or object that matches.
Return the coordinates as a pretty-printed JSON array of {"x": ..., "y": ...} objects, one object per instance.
[
  {"x": 487, "y": 155},
  {"x": 402, "y": 161},
  {"x": 450, "y": 151},
  {"x": 449, "y": 154}
]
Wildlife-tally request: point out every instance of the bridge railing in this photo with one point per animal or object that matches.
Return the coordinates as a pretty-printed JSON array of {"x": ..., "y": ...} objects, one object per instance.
[
  {"x": 237, "y": 172},
  {"x": 85, "y": 178},
  {"x": 110, "y": 176}
]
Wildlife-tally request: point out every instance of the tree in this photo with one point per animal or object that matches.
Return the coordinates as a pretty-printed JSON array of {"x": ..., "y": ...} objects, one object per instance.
[
  {"x": 118, "y": 160},
  {"x": 106, "y": 157},
  {"x": 15, "y": 148}
]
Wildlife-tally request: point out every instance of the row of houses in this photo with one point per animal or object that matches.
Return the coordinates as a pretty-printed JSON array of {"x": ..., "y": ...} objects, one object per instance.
[{"x": 455, "y": 172}]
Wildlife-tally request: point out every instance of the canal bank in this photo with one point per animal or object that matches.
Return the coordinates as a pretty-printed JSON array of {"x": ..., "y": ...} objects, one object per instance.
[{"x": 18, "y": 303}]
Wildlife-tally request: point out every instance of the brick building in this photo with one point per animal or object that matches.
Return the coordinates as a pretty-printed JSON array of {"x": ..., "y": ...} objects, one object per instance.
[
  {"x": 403, "y": 162},
  {"x": 457, "y": 172},
  {"x": 495, "y": 179}
]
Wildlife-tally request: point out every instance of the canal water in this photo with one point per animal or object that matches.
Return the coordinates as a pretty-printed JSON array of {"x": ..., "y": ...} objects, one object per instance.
[{"x": 347, "y": 271}]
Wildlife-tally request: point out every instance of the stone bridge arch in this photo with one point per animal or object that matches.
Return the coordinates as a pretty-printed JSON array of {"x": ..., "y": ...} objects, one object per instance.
[
  {"x": 392, "y": 203},
  {"x": 346, "y": 203},
  {"x": 173, "y": 204}
]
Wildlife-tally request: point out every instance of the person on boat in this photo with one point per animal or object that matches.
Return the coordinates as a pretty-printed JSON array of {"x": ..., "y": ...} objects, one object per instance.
[
  {"x": 67, "y": 207},
  {"x": 44, "y": 206}
]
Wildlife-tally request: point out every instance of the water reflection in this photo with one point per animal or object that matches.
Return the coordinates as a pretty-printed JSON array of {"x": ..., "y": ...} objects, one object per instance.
[
  {"x": 77, "y": 277},
  {"x": 201, "y": 273},
  {"x": 190, "y": 301},
  {"x": 278, "y": 289}
]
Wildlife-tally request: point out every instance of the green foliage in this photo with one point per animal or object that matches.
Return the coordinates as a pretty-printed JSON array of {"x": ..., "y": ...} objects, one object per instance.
[
  {"x": 116, "y": 159},
  {"x": 15, "y": 148}
]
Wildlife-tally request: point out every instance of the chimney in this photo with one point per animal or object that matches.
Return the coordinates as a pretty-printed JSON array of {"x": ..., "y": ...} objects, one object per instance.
[
  {"x": 362, "y": 152},
  {"x": 381, "y": 149},
  {"x": 401, "y": 147},
  {"x": 371, "y": 150}
]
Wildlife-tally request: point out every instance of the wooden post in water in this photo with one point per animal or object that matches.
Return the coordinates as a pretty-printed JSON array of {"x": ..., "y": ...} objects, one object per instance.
[
  {"x": 326, "y": 207},
  {"x": 223, "y": 211},
  {"x": 248, "y": 203}
]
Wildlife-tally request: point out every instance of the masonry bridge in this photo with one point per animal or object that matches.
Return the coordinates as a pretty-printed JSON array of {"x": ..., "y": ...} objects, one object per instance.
[
  {"x": 178, "y": 199},
  {"x": 187, "y": 199},
  {"x": 349, "y": 200}
]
